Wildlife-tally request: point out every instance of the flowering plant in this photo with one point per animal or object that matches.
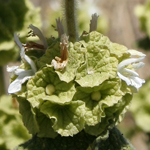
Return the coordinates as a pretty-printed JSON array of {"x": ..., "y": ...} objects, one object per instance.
[
  {"x": 69, "y": 84},
  {"x": 86, "y": 85}
]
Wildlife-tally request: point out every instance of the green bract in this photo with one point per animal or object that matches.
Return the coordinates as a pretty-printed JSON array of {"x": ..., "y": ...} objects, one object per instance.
[{"x": 79, "y": 91}]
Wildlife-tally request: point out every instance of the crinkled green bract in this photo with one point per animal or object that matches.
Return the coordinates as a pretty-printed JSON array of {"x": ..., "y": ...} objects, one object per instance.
[{"x": 86, "y": 95}]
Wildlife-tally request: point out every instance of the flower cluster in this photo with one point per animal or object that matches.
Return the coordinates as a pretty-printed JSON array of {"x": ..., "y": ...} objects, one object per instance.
[{"x": 70, "y": 87}]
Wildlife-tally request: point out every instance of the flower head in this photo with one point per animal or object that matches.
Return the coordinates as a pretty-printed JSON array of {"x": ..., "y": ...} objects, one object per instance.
[
  {"x": 23, "y": 75},
  {"x": 129, "y": 75}
]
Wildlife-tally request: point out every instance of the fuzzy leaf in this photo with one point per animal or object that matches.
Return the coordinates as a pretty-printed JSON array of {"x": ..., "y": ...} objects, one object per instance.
[
  {"x": 37, "y": 88},
  {"x": 52, "y": 51},
  {"x": 113, "y": 115},
  {"x": 99, "y": 66},
  {"x": 12, "y": 130},
  {"x": 68, "y": 119},
  {"x": 45, "y": 126},
  {"x": 95, "y": 110},
  {"x": 28, "y": 116}
]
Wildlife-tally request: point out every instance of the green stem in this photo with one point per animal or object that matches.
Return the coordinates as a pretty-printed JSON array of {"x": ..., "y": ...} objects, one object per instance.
[
  {"x": 71, "y": 23},
  {"x": 2, "y": 81}
]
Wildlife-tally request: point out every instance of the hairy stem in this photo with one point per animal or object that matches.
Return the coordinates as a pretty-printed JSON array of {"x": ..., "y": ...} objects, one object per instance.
[{"x": 70, "y": 16}]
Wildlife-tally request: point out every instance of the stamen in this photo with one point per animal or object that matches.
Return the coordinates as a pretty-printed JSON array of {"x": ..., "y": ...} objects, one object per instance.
[
  {"x": 60, "y": 63},
  {"x": 64, "y": 47}
]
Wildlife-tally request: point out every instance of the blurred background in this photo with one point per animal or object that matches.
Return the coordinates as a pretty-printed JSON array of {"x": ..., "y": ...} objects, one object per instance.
[{"x": 125, "y": 22}]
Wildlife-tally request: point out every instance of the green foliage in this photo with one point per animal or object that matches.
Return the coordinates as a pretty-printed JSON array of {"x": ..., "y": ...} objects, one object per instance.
[
  {"x": 141, "y": 107},
  {"x": 12, "y": 130},
  {"x": 15, "y": 16},
  {"x": 143, "y": 14}
]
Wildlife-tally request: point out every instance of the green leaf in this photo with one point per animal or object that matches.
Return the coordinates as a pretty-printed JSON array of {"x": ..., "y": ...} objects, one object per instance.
[
  {"x": 143, "y": 12},
  {"x": 113, "y": 115},
  {"x": 119, "y": 51},
  {"x": 8, "y": 24},
  {"x": 12, "y": 130},
  {"x": 16, "y": 15},
  {"x": 51, "y": 52},
  {"x": 7, "y": 56},
  {"x": 45, "y": 126},
  {"x": 95, "y": 110},
  {"x": 67, "y": 119},
  {"x": 98, "y": 67},
  {"x": 116, "y": 50},
  {"x": 36, "y": 86},
  {"x": 28, "y": 116}
]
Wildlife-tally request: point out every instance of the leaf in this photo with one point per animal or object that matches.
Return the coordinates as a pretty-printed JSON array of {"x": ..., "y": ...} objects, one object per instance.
[
  {"x": 98, "y": 67},
  {"x": 28, "y": 116},
  {"x": 45, "y": 126},
  {"x": 67, "y": 119},
  {"x": 12, "y": 130},
  {"x": 96, "y": 110},
  {"x": 36, "y": 86}
]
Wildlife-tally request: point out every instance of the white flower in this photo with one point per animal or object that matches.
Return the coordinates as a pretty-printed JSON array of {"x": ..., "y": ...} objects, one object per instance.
[
  {"x": 37, "y": 32},
  {"x": 130, "y": 76},
  {"x": 23, "y": 75}
]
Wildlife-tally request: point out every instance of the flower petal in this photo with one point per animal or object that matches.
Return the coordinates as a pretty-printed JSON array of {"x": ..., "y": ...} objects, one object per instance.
[
  {"x": 124, "y": 78},
  {"x": 15, "y": 86},
  {"x": 23, "y": 75},
  {"x": 12, "y": 69},
  {"x": 22, "y": 52},
  {"x": 138, "y": 65},
  {"x": 17, "y": 40},
  {"x": 19, "y": 71},
  {"x": 131, "y": 72},
  {"x": 136, "y": 53},
  {"x": 31, "y": 63},
  {"x": 37, "y": 32},
  {"x": 128, "y": 62},
  {"x": 137, "y": 82}
]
